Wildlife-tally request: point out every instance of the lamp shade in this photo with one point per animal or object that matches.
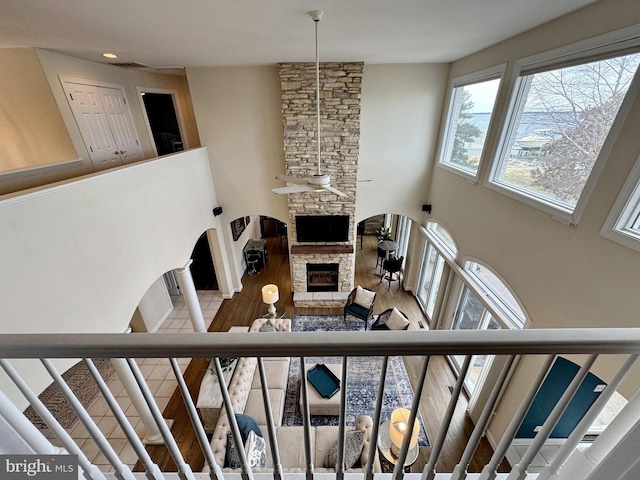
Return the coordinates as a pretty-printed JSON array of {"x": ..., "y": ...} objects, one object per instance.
[
  {"x": 270, "y": 294},
  {"x": 398, "y": 425}
]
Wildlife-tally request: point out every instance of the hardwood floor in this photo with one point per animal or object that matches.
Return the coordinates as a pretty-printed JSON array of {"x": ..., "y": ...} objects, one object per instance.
[{"x": 247, "y": 305}]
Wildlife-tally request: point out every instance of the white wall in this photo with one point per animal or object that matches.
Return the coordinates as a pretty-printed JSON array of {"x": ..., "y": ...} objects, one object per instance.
[
  {"x": 401, "y": 111},
  {"x": 239, "y": 120},
  {"x": 565, "y": 277},
  {"x": 78, "y": 257},
  {"x": 153, "y": 309},
  {"x": 238, "y": 111}
]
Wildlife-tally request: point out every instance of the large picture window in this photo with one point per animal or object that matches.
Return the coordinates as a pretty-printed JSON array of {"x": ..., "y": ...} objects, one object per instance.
[
  {"x": 559, "y": 120},
  {"x": 470, "y": 111}
]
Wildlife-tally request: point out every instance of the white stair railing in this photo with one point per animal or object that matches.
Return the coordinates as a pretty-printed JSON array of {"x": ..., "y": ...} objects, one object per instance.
[{"x": 425, "y": 344}]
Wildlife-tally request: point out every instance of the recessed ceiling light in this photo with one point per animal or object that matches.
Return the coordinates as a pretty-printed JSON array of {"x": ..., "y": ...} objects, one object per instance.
[{"x": 109, "y": 55}]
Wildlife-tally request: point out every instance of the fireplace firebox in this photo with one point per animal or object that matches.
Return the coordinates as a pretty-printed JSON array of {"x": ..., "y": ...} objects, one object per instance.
[{"x": 322, "y": 277}]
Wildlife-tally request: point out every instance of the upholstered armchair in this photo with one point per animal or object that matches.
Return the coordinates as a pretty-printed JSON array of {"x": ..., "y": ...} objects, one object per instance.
[
  {"x": 391, "y": 319},
  {"x": 360, "y": 304}
]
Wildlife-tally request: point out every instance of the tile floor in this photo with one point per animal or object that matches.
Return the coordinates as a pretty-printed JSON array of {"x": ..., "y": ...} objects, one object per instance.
[{"x": 160, "y": 379}]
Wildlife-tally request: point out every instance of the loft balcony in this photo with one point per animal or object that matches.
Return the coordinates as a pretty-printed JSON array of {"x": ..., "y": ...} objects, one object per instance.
[
  {"x": 425, "y": 346},
  {"x": 84, "y": 258}
]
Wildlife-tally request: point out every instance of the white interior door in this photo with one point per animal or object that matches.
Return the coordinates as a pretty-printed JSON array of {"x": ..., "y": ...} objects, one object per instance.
[
  {"x": 104, "y": 121},
  {"x": 121, "y": 123},
  {"x": 93, "y": 124}
]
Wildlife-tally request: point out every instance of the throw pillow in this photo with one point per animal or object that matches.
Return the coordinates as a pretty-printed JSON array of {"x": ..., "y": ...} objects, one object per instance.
[
  {"x": 267, "y": 327},
  {"x": 247, "y": 424},
  {"x": 256, "y": 450},
  {"x": 397, "y": 321},
  {"x": 354, "y": 441},
  {"x": 363, "y": 297},
  {"x": 231, "y": 458}
]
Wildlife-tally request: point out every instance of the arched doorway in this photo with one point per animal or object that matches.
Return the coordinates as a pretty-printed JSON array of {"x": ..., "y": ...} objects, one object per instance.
[{"x": 202, "y": 268}]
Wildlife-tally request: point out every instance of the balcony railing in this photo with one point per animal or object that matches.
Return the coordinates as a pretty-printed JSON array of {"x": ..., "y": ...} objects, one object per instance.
[{"x": 297, "y": 346}]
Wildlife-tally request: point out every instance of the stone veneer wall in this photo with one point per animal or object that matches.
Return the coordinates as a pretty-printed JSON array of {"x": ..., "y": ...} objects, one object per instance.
[
  {"x": 345, "y": 263},
  {"x": 340, "y": 94}
]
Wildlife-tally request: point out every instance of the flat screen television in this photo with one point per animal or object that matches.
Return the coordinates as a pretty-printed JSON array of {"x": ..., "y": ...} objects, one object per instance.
[{"x": 322, "y": 228}]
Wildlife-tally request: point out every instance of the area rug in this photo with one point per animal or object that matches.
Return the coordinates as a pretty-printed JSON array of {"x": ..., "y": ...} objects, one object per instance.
[
  {"x": 363, "y": 378},
  {"x": 82, "y": 384}
]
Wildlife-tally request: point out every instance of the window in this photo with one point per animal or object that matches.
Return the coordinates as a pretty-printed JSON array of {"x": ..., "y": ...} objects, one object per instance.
[
  {"x": 433, "y": 272},
  {"x": 470, "y": 111},
  {"x": 430, "y": 280},
  {"x": 623, "y": 223},
  {"x": 560, "y": 117},
  {"x": 444, "y": 238},
  {"x": 499, "y": 294},
  {"x": 471, "y": 315},
  {"x": 482, "y": 302},
  {"x": 404, "y": 232}
]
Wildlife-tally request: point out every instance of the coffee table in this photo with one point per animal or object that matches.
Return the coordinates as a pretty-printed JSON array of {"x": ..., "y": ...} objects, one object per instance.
[{"x": 318, "y": 405}]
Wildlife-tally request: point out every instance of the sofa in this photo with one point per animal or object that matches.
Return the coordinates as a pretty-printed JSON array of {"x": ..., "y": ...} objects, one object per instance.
[{"x": 245, "y": 392}]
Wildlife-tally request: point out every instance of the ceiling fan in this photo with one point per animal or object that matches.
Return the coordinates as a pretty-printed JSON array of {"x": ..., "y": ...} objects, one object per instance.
[{"x": 318, "y": 181}]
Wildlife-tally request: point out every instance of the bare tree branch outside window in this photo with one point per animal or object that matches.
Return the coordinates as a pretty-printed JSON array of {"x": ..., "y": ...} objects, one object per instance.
[{"x": 575, "y": 107}]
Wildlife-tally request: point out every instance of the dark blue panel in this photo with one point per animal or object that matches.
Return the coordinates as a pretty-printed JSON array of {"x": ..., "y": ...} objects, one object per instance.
[{"x": 557, "y": 381}]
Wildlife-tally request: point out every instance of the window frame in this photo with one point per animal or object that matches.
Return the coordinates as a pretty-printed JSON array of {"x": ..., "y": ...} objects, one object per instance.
[
  {"x": 493, "y": 73},
  {"x": 449, "y": 253},
  {"x": 618, "y": 43},
  {"x": 465, "y": 281},
  {"x": 424, "y": 276},
  {"x": 626, "y": 208},
  {"x": 429, "y": 231},
  {"x": 506, "y": 316},
  {"x": 403, "y": 235}
]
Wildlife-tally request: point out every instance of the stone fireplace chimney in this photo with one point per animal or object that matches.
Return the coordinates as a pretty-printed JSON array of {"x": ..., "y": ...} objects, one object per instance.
[{"x": 340, "y": 93}]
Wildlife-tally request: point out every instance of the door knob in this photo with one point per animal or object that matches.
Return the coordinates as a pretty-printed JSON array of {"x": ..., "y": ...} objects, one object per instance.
[{"x": 122, "y": 152}]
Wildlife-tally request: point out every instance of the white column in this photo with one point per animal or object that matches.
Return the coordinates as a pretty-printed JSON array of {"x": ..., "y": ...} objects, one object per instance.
[
  {"x": 188, "y": 289},
  {"x": 152, "y": 435}
]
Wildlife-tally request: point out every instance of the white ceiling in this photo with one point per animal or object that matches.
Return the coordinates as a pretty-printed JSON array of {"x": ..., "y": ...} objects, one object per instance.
[{"x": 197, "y": 33}]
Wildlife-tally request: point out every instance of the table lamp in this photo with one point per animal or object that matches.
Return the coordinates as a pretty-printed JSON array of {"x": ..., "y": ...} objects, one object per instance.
[
  {"x": 270, "y": 297},
  {"x": 398, "y": 425}
]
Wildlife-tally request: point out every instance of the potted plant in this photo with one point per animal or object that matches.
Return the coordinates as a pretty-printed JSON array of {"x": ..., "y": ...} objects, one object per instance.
[
  {"x": 225, "y": 362},
  {"x": 383, "y": 233}
]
